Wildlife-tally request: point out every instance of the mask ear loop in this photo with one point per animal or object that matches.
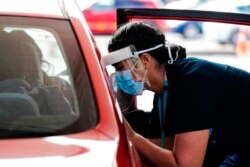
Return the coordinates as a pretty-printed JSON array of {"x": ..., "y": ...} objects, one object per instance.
[
  {"x": 145, "y": 75},
  {"x": 139, "y": 69},
  {"x": 177, "y": 53},
  {"x": 169, "y": 53},
  {"x": 171, "y": 61},
  {"x": 133, "y": 67}
]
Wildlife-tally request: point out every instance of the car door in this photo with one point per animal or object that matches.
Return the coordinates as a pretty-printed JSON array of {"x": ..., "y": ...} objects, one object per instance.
[{"x": 207, "y": 45}]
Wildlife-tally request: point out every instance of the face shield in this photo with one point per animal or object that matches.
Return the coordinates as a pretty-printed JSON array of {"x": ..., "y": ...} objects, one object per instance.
[{"x": 128, "y": 75}]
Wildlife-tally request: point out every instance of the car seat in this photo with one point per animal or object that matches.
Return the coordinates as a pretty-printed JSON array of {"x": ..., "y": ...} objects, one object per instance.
[{"x": 15, "y": 105}]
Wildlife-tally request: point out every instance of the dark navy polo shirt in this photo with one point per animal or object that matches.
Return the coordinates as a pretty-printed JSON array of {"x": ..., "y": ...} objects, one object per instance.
[{"x": 207, "y": 95}]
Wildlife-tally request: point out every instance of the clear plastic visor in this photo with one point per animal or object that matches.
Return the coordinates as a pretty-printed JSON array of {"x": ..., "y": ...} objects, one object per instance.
[
  {"x": 128, "y": 75},
  {"x": 124, "y": 61}
]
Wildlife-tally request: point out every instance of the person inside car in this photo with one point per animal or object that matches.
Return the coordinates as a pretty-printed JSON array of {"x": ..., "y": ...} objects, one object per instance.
[
  {"x": 21, "y": 72},
  {"x": 201, "y": 110}
]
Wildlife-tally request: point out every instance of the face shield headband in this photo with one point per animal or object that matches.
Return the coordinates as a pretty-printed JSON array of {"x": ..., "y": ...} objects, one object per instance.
[
  {"x": 168, "y": 45},
  {"x": 130, "y": 51}
]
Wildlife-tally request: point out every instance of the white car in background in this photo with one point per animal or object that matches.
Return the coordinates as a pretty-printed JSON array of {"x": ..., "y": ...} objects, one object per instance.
[
  {"x": 188, "y": 29},
  {"x": 225, "y": 33}
]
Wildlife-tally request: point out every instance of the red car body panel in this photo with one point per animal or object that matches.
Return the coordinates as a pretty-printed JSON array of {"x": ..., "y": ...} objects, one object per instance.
[
  {"x": 106, "y": 144},
  {"x": 86, "y": 149}
]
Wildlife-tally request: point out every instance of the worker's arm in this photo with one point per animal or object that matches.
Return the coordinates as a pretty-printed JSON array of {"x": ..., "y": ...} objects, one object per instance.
[{"x": 188, "y": 149}]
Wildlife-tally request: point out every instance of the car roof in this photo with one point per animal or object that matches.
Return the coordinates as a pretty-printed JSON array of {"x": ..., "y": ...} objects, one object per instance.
[
  {"x": 42, "y": 8},
  {"x": 49, "y": 8}
]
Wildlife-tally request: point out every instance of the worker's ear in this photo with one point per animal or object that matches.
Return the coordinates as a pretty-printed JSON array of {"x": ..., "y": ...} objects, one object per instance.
[{"x": 146, "y": 60}]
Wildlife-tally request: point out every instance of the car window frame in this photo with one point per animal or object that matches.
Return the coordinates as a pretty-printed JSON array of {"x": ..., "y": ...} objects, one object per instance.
[
  {"x": 126, "y": 14},
  {"x": 76, "y": 64}
]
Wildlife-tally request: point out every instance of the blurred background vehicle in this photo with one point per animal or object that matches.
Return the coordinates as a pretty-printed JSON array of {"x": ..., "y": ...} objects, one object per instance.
[
  {"x": 188, "y": 29},
  {"x": 184, "y": 4},
  {"x": 215, "y": 31},
  {"x": 225, "y": 33},
  {"x": 101, "y": 16}
]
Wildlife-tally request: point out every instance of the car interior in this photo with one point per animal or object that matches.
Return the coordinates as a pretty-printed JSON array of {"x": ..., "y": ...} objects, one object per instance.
[{"x": 28, "y": 96}]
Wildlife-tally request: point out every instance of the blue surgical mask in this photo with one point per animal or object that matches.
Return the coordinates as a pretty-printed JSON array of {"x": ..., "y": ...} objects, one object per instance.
[{"x": 127, "y": 84}]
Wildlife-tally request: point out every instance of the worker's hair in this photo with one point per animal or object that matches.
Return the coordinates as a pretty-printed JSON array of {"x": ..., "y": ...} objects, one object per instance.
[{"x": 143, "y": 36}]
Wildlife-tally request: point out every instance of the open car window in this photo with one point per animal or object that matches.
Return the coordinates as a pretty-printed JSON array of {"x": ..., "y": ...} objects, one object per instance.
[{"x": 217, "y": 36}]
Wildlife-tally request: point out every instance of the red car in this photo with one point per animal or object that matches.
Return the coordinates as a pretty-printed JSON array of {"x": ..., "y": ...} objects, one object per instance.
[
  {"x": 101, "y": 16},
  {"x": 56, "y": 106}
]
